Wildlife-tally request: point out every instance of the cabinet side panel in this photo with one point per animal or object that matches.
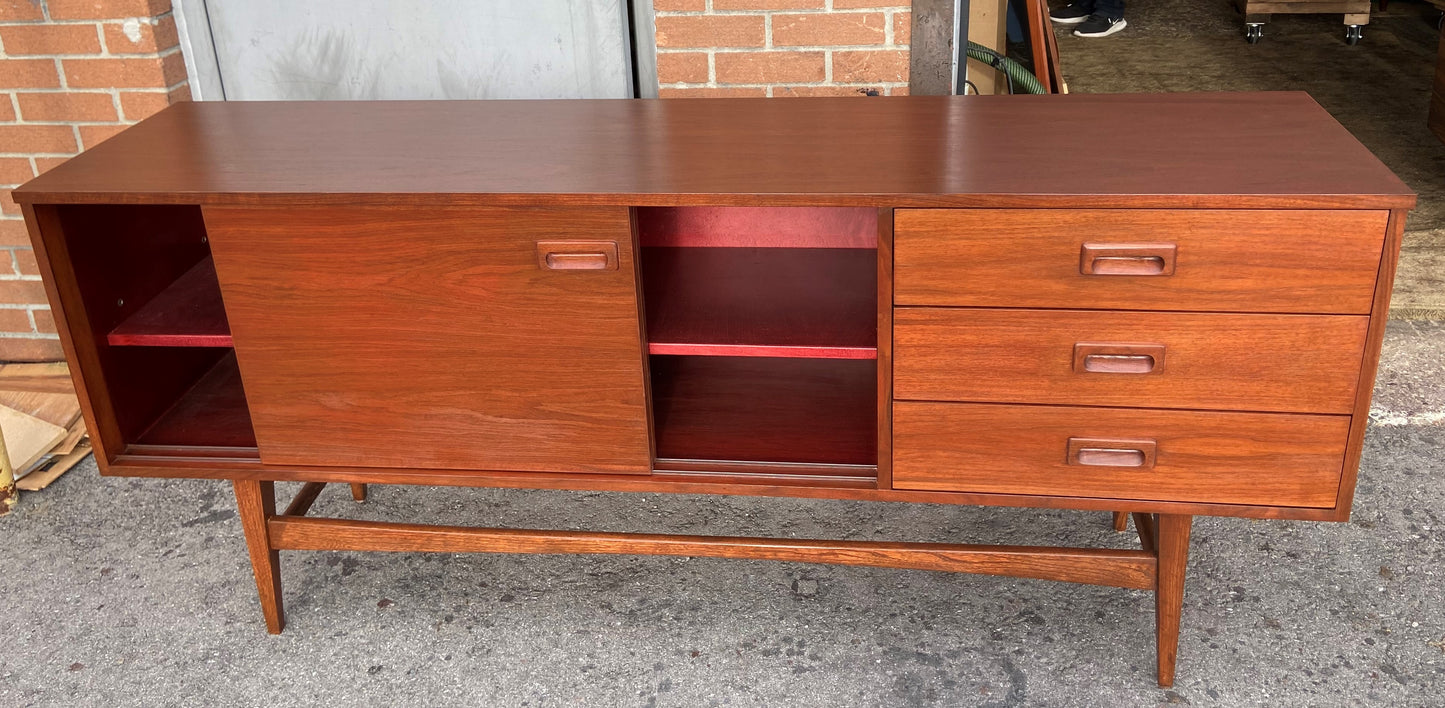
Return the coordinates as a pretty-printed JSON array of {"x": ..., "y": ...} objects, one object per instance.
[
  {"x": 1379, "y": 315},
  {"x": 66, "y": 304}
]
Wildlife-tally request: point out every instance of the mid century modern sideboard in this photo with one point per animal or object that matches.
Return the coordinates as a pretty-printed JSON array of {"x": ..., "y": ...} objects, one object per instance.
[{"x": 925, "y": 299}]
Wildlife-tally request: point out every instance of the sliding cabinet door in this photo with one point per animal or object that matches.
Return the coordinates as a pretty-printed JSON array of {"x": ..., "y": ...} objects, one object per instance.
[{"x": 461, "y": 338}]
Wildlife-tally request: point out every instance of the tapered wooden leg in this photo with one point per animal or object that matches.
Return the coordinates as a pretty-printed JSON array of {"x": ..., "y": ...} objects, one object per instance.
[
  {"x": 358, "y": 492},
  {"x": 256, "y": 503},
  {"x": 1173, "y": 544},
  {"x": 1121, "y": 520},
  {"x": 1144, "y": 524}
]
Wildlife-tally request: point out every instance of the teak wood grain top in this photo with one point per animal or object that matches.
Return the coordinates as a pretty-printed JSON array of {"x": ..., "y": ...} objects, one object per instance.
[{"x": 1178, "y": 150}]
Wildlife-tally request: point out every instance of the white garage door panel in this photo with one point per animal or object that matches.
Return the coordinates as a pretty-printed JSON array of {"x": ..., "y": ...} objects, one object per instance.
[{"x": 431, "y": 49}]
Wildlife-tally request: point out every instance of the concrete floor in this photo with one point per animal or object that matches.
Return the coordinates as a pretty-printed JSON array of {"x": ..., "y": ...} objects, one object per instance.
[
  {"x": 133, "y": 592},
  {"x": 130, "y": 592}
]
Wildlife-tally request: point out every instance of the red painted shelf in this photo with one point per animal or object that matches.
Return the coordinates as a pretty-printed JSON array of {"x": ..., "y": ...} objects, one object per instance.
[
  {"x": 213, "y": 413},
  {"x": 188, "y": 313},
  {"x": 765, "y": 409},
  {"x": 762, "y": 302}
]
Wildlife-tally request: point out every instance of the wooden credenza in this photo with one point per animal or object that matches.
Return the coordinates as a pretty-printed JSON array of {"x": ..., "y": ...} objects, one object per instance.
[{"x": 963, "y": 300}]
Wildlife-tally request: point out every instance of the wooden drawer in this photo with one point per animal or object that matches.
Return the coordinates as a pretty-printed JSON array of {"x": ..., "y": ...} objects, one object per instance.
[
  {"x": 1191, "y": 456},
  {"x": 1144, "y": 259},
  {"x": 1286, "y": 363}
]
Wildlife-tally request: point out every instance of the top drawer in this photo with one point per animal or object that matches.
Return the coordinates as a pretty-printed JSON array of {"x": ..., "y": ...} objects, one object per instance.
[{"x": 1305, "y": 261}]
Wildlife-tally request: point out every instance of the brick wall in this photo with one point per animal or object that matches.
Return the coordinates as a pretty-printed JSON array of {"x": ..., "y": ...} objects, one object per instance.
[
  {"x": 782, "y": 47},
  {"x": 72, "y": 73}
]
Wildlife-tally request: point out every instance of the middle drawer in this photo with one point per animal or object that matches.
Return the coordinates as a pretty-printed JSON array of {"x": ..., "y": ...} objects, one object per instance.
[{"x": 1242, "y": 362}]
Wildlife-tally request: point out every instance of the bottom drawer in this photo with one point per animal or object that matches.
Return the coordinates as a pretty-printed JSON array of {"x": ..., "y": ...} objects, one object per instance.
[{"x": 1268, "y": 459}]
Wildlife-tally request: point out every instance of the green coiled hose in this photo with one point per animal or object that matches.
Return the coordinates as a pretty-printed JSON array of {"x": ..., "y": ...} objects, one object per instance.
[{"x": 1016, "y": 73}]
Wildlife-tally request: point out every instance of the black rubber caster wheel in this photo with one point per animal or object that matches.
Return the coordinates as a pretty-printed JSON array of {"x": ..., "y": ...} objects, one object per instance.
[
  {"x": 1353, "y": 35},
  {"x": 1253, "y": 33}
]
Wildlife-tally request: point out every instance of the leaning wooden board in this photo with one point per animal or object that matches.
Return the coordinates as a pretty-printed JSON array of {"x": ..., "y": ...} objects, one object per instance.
[{"x": 505, "y": 294}]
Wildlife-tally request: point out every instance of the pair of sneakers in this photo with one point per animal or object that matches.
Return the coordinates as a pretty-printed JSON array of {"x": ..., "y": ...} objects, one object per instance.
[{"x": 1090, "y": 23}]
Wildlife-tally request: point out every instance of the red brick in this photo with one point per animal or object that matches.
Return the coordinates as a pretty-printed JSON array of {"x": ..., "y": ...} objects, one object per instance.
[
  {"x": 7, "y": 108},
  {"x": 828, "y": 30},
  {"x": 898, "y": 91},
  {"x": 708, "y": 92},
  {"x": 902, "y": 28},
  {"x": 711, "y": 31},
  {"x": 36, "y": 138},
  {"x": 137, "y": 105},
  {"x": 868, "y": 4},
  {"x": 151, "y": 72},
  {"x": 768, "y": 67},
  {"x": 25, "y": 262},
  {"x": 180, "y": 93},
  {"x": 50, "y": 39},
  {"x": 14, "y": 170},
  {"x": 92, "y": 135},
  {"x": 44, "y": 321},
  {"x": 22, "y": 292},
  {"x": 679, "y": 5},
  {"x": 28, "y": 73},
  {"x": 20, "y": 10},
  {"x": 106, "y": 9},
  {"x": 15, "y": 321},
  {"x": 867, "y": 66},
  {"x": 150, "y": 38},
  {"x": 44, "y": 164},
  {"x": 767, "y": 4},
  {"x": 790, "y": 91},
  {"x": 26, "y": 349},
  {"x": 687, "y": 68},
  {"x": 13, "y": 233},
  {"x": 8, "y": 206},
  {"x": 71, "y": 106}
]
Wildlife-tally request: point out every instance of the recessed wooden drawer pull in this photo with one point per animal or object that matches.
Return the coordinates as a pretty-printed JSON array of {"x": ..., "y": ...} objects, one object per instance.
[
  {"x": 1127, "y": 259},
  {"x": 1090, "y": 358},
  {"x": 1103, "y": 452},
  {"x": 577, "y": 255}
]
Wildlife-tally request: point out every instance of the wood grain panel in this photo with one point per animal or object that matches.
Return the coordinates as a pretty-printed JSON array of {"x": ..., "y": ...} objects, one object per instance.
[
  {"x": 1095, "y": 566},
  {"x": 433, "y": 338},
  {"x": 1288, "y": 363},
  {"x": 1380, "y": 316},
  {"x": 161, "y": 464},
  {"x": 1231, "y": 261},
  {"x": 1232, "y": 458},
  {"x": 1205, "y": 149},
  {"x": 1309, "y": 7}
]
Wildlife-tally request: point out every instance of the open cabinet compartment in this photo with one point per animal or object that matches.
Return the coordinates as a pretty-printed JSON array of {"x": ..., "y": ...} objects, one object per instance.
[
  {"x": 158, "y": 328},
  {"x": 762, "y": 326}
]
